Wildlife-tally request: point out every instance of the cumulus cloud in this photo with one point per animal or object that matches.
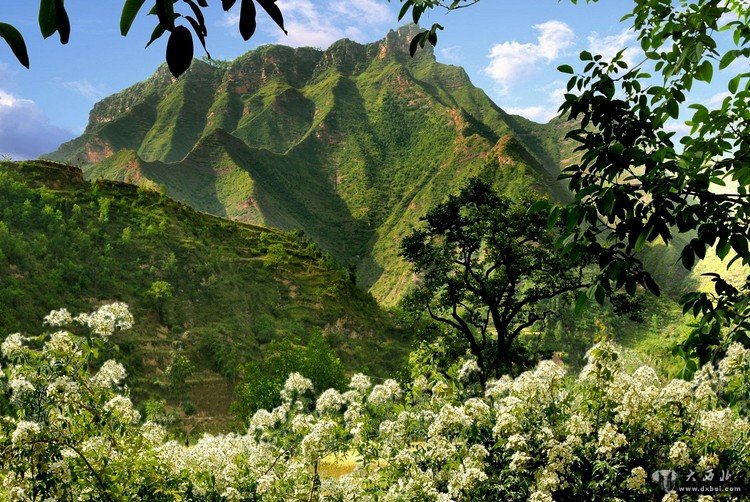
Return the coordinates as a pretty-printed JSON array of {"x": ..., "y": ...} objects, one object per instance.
[
  {"x": 511, "y": 61},
  {"x": 320, "y": 23},
  {"x": 609, "y": 45},
  {"x": 25, "y": 132}
]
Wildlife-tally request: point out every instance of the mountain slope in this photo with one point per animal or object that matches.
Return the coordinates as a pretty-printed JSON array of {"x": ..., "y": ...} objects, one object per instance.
[
  {"x": 68, "y": 242},
  {"x": 351, "y": 145}
]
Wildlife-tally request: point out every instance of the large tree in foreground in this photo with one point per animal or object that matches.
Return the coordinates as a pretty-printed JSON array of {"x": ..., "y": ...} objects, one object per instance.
[{"x": 485, "y": 267}]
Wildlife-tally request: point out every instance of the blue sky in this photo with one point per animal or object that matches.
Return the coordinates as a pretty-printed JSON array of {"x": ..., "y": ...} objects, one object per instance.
[{"x": 509, "y": 48}]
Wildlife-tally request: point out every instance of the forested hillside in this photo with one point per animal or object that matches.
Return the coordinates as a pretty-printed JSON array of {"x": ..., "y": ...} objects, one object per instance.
[{"x": 214, "y": 290}]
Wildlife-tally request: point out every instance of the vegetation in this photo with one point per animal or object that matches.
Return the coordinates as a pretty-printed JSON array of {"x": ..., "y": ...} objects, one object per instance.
[
  {"x": 68, "y": 433},
  {"x": 352, "y": 145},
  {"x": 487, "y": 268},
  {"x": 200, "y": 286},
  {"x": 634, "y": 185}
]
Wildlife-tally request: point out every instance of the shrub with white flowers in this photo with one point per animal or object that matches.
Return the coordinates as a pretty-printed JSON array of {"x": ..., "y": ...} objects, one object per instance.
[{"x": 71, "y": 433}]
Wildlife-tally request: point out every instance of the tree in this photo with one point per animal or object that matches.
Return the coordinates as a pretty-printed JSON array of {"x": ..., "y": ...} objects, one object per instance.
[
  {"x": 262, "y": 380},
  {"x": 161, "y": 292},
  {"x": 635, "y": 184},
  {"x": 53, "y": 18},
  {"x": 485, "y": 263}
]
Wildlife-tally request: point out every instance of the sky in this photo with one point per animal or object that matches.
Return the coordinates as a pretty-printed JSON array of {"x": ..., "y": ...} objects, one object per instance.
[{"x": 511, "y": 49}]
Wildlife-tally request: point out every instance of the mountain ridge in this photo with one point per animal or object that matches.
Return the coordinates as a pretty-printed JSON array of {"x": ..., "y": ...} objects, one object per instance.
[{"x": 351, "y": 145}]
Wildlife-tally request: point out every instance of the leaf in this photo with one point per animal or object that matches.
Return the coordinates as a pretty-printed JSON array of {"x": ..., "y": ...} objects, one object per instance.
[
  {"x": 705, "y": 71},
  {"x": 199, "y": 31},
  {"x": 565, "y": 68},
  {"x": 734, "y": 84},
  {"x": 179, "y": 50},
  {"x": 247, "y": 19},
  {"x": 651, "y": 285},
  {"x": 273, "y": 10},
  {"x": 414, "y": 44},
  {"x": 165, "y": 12},
  {"x": 129, "y": 11},
  {"x": 156, "y": 34},
  {"x": 199, "y": 19},
  {"x": 63, "y": 22},
  {"x": 404, "y": 9},
  {"x": 739, "y": 244},
  {"x": 673, "y": 108},
  {"x": 15, "y": 40},
  {"x": 581, "y": 302},
  {"x": 47, "y": 18},
  {"x": 227, "y": 4}
]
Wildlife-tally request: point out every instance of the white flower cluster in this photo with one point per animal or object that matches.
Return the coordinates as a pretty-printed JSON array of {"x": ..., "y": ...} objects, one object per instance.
[
  {"x": 12, "y": 345},
  {"x": 536, "y": 437},
  {"x": 58, "y": 318},
  {"x": 108, "y": 318},
  {"x": 110, "y": 374}
]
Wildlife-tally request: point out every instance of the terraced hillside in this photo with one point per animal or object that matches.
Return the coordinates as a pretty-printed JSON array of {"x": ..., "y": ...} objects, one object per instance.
[
  {"x": 351, "y": 145},
  {"x": 233, "y": 287}
]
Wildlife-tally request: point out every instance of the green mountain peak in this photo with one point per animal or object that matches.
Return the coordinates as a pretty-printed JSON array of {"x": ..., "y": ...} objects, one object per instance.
[{"x": 351, "y": 145}]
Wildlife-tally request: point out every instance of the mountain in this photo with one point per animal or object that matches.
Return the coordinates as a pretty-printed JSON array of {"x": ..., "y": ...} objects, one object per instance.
[
  {"x": 351, "y": 145},
  {"x": 67, "y": 242}
]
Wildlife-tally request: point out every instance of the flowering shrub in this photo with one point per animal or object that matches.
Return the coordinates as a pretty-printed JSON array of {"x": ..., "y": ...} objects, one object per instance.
[{"x": 70, "y": 432}]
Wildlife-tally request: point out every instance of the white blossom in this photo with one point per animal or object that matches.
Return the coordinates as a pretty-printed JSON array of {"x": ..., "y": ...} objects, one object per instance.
[{"x": 57, "y": 318}]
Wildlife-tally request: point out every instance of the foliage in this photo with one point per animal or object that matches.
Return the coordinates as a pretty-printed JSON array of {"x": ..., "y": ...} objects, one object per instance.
[
  {"x": 382, "y": 141},
  {"x": 55, "y": 250},
  {"x": 53, "y": 18},
  {"x": 263, "y": 380},
  {"x": 178, "y": 371},
  {"x": 485, "y": 267},
  {"x": 634, "y": 185},
  {"x": 605, "y": 433}
]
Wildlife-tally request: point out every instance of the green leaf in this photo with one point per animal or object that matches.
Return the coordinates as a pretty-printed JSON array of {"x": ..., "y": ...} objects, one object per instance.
[
  {"x": 739, "y": 244},
  {"x": 179, "y": 50},
  {"x": 581, "y": 302},
  {"x": 156, "y": 34},
  {"x": 673, "y": 108},
  {"x": 15, "y": 40},
  {"x": 129, "y": 11},
  {"x": 734, "y": 84},
  {"x": 47, "y": 18},
  {"x": 565, "y": 68},
  {"x": 727, "y": 59},
  {"x": 705, "y": 71}
]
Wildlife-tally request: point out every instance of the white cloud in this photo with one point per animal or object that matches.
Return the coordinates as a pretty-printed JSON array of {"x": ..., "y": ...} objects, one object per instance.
[
  {"x": 542, "y": 114},
  {"x": 680, "y": 128},
  {"x": 717, "y": 99},
  {"x": 609, "y": 45},
  {"x": 452, "y": 53},
  {"x": 511, "y": 61},
  {"x": 320, "y": 23},
  {"x": 86, "y": 89},
  {"x": 25, "y": 132}
]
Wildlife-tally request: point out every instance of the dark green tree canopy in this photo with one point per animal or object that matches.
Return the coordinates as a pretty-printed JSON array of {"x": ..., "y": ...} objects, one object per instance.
[{"x": 486, "y": 266}]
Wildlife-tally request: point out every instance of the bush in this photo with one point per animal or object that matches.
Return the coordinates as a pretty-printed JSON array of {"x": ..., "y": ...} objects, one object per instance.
[{"x": 69, "y": 432}]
